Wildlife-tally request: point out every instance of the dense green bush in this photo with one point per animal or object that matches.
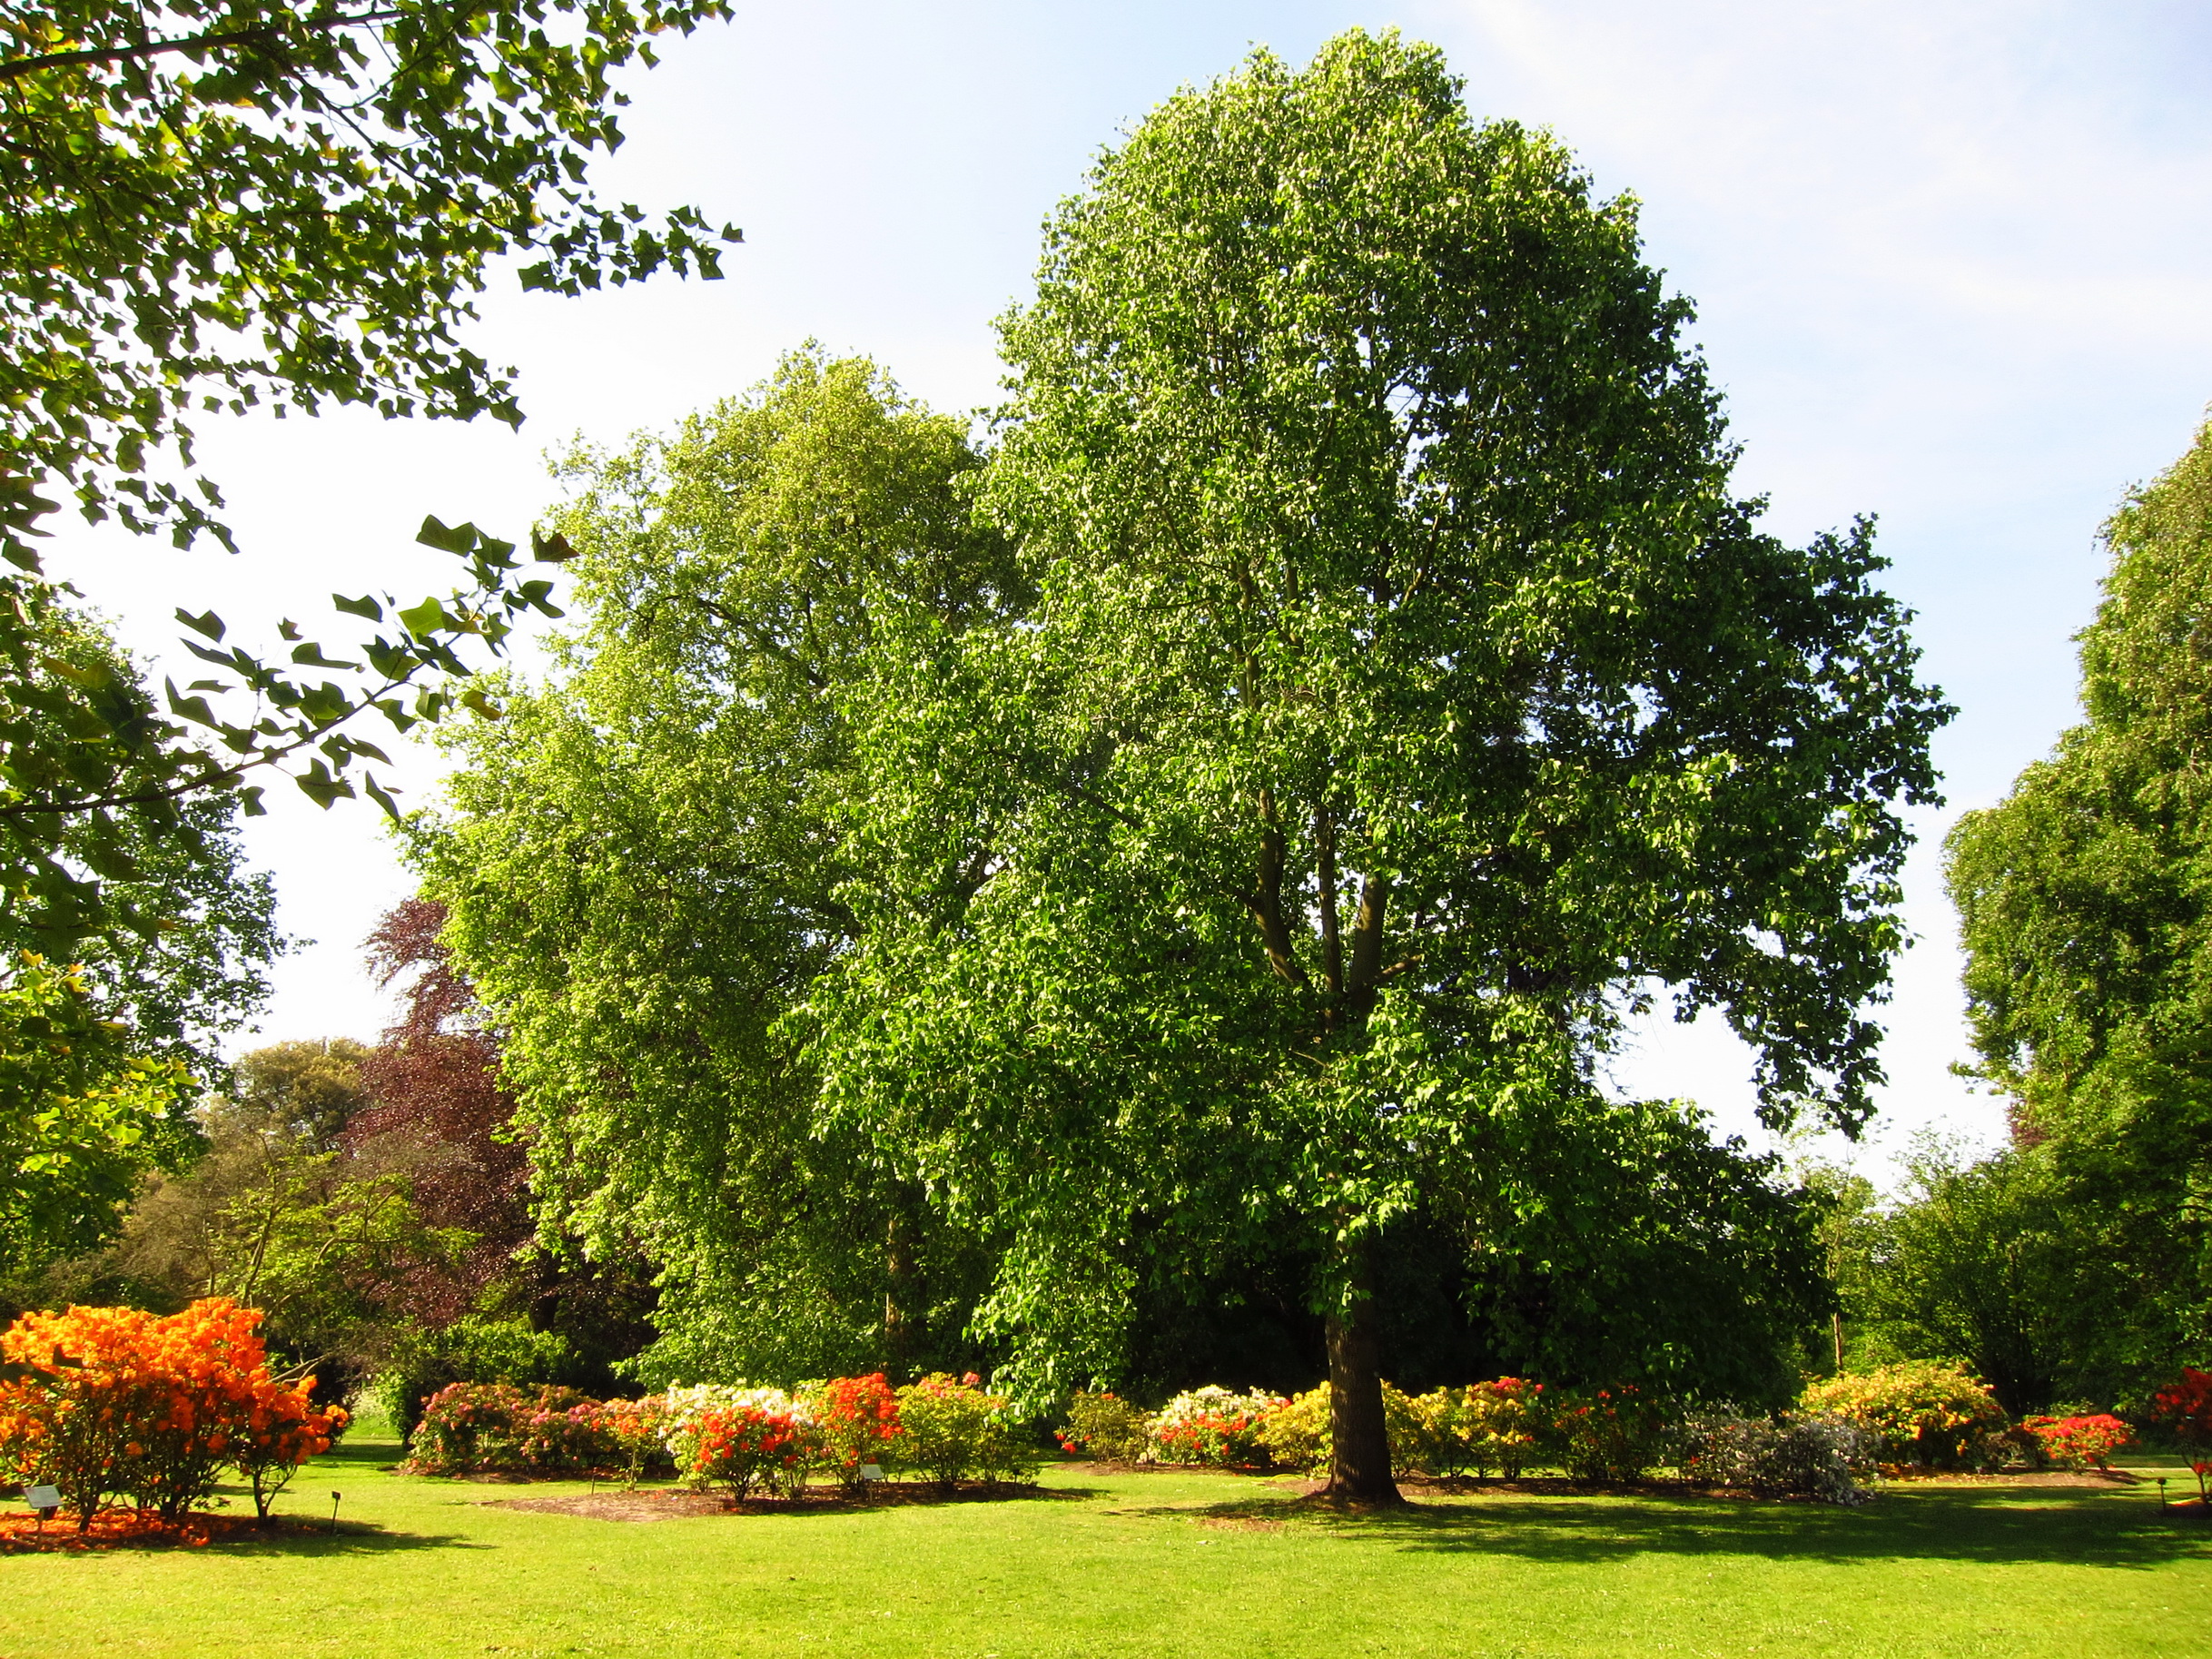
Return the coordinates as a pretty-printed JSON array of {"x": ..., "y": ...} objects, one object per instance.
[
  {"x": 951, "y": 1426},
  {"x": 1105, "y": 1426},
  {"x": 469, "y": 1350},
  {"x": 1610, "y": 1433}
]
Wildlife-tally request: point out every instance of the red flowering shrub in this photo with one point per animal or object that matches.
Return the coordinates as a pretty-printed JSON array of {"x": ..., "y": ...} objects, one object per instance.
[
  {"x": 855, "y": 1422},
  {"x": 1612, "y": 1434},
  {"x": 742, "y": 1446},
  {"x": 2080, "y": 1442},
  {"x": 499, "y": 1429},
  {"x": 2186, "y": 1407},
  {"x": 116, "y": 1402}
]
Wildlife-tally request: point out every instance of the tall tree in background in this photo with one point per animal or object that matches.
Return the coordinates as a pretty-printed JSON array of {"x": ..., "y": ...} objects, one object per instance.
[
  {"x": 642, "y": 863},
  {"x": 1406, "y": 693},
  {"x": 2083, "y": 910}
]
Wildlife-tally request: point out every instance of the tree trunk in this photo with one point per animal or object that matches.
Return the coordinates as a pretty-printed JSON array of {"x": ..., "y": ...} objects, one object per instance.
[{"x": 1359, "y": 1440}]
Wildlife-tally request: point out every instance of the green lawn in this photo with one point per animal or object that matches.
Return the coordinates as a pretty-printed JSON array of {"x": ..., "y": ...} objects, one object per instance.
[{"x": 1153, "y": 1565}]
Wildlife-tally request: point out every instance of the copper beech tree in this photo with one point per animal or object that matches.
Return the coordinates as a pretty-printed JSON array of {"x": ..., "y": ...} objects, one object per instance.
[{"x": 1407, "y": 700}]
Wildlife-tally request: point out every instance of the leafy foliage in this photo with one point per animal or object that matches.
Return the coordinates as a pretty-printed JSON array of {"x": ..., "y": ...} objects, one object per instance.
[
  {"x": 1986, "y": 1265},
  {"x": 2082, "y": 909},
  {"x": 248, "y": 203},
  {"x": 82, "y": 1118},
  {"x": 97, "y": 785}
]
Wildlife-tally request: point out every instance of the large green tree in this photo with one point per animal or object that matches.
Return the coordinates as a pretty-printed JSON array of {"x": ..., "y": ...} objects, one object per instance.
[
  {"x": 1406, "y": 697},
  {"x": 2082, "y": 904},
  {"x": 641, "y": 866}
]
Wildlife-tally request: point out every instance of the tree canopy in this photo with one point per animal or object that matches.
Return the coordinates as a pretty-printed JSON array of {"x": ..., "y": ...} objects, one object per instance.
[
  {"x": 103, "y": 1058},
  {"x": 2082, "y": 909},
  {"x": 1404, "y": 697},
  {"x": 214, "y": 208},
  {"x": 641, "y": 864},
  {"x": 252, "y": 204}
]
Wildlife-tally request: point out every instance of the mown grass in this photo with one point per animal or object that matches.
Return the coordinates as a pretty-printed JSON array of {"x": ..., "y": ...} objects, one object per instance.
[{"x": 1159, "y": 1564}]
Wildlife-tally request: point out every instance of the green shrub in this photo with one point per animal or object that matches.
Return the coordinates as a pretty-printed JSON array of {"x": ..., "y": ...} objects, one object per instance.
[
  {"x": 950, "y": 1427},
  {"x": 1928, "y": 1414},
  {"x": 1105, "y": 1426},
  {"x": 469, "y": 1350}
]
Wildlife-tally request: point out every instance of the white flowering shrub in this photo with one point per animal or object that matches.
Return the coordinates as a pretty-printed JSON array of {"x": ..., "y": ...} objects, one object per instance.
[
  {"x": 1819, "y": 1456},
  {"x": 1212, "y": 1426},
  {"x": 685, "y": 1406}
]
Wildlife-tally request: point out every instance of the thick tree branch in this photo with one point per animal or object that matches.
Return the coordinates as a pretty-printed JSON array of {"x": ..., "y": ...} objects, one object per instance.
[
  {"x": 19, "y": 67},
  {"x": 1266, "y": 898}
]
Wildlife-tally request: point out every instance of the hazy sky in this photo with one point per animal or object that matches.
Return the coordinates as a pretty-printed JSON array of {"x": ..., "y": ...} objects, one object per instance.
[{"x": 1953, "y": 266}]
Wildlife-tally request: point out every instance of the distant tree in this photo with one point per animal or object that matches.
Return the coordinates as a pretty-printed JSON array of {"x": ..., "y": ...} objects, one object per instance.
[
  {"x": 1406, "y": 694},
  {"x": 1982, "y": 1264},
  {"x": 438, "y": 1108},
  {"x": 312, "y": 1088},
  {"x": 2084, "y": 912},
  {"x": 435, "y": 1101}
]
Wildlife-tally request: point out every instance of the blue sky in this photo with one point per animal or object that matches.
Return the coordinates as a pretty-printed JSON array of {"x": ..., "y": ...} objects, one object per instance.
[{"x": 1953, "y": 266}]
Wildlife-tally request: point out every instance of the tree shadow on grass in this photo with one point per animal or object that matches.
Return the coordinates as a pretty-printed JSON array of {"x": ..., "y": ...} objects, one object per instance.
[{"x": 2086, "y": 1528}]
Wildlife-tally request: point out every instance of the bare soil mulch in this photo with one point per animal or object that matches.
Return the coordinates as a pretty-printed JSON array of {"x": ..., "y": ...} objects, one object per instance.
[{"x": 681, "y": 1503}]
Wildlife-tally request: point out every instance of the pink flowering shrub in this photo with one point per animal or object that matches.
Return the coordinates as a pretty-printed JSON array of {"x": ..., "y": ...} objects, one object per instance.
[{"x": 499, "y": 1429}]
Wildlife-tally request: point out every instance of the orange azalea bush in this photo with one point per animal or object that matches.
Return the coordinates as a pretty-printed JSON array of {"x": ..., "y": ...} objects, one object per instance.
[
  {"x": 116, "y": 1402},
  {"x": 742, "y": 1446}
]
